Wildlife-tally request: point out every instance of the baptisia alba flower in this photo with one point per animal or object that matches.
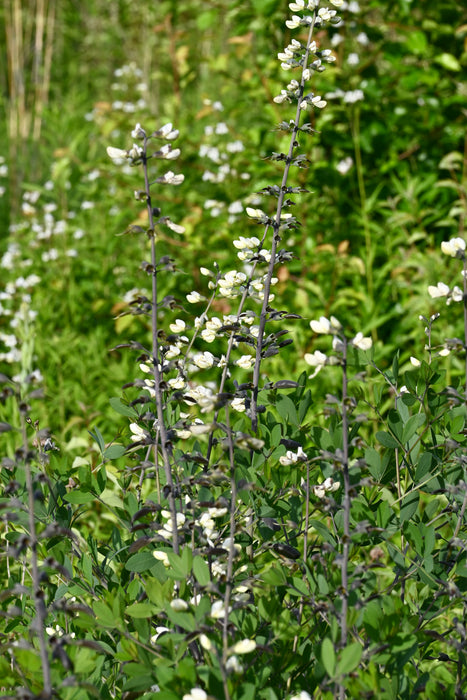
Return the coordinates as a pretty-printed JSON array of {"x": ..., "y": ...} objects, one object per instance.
[
  {"x": 167, "y": 132},
  {"x": 361, "y": 343},
  {"x": 328, "y": 486},
  {"x": 169, "y": 178},
  {"x": 441, "y": 290},
  {"x": 326, "y": 326},
  {"x": 196, "y": 694},
  {"x": 138, "y": 132},
  {"x": 317, "y": 360},
  {"x": 455, "y": 247},
  {"x": 293, "y": 457},
  {"x": 116, "y": 152},
  {"x": 245, "y": 646}
]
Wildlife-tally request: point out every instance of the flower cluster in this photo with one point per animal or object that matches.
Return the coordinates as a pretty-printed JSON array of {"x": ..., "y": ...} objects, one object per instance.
[
  {"x": 328, "y": 486},
  {"x": 454, "y": 248},
  {"x": 332, "y": 326}
]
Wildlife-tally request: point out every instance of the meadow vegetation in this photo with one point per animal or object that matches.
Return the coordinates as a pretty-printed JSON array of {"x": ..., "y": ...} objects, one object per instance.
[{"x": 233, "y": 333}]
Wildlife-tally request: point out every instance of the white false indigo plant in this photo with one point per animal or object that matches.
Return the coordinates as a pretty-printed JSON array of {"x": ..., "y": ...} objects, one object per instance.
[{"x": 182, "y": 402}]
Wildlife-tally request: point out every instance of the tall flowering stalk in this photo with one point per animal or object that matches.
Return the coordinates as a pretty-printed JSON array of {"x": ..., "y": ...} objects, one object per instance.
[
  {"x": 340, "y": 346},
  {"x": 140, "y": 155},
  {"x": 307, "y": 58},
  {"x": 454, "y": 248}
]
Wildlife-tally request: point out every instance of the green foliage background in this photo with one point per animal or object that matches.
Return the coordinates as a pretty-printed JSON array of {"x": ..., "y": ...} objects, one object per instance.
[{"x": 368, "y": 244}]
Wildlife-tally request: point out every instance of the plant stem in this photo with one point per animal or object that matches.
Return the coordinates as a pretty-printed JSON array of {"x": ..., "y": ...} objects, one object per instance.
[
  {"x": 276, "y": 238},
  {"x": 155, "y": 358},
  {"x": 346, "y": 523},
  {"x": 39, "y": 605}
]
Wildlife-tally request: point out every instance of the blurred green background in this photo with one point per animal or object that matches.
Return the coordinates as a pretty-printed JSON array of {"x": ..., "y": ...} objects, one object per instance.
[{"x": 387, "y": 176}]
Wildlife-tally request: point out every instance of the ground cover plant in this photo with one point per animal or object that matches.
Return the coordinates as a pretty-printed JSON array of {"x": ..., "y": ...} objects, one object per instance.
[{"x": 259, "y": 489}]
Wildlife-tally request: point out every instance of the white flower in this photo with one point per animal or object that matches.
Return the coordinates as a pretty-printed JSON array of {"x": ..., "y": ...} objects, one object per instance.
[
  {"x": 353, "y": 59},
  {"x": 138, "y": 132},
  {"x": 116, "y": 152},
  {"x": 441, "y": 290},
  {"x": 318, "y": 102},
  {"x": 233, "y": 665},
  {"x": 238, "y": 405},
  {"x": 172, "y": 352},
  {"x": 179, "y": 605},
  {"x": 205, "y": 642},
  {"x": 361, "y": 343},
  {"x": 204, "y": 360},
  {"x": 329, "y": 485},
  {"x": 166, "y": 132},
  {"x": 293, "y": 23},
  {"x": 283, "y": 97},
  {"x": 169, "y": 178},
  {"x": 293, "y": 457},
  {"x": 203, "y": 396},
  {"x": 138, "y": 432},
  {"x": 196, "y": 694},
  {"x": 303, "y": 695},
  {"x": 135, "y": 152},
  {"x": 454, "y": 247},
  {"x": 317, "y": 360},
  {"x": 255, "y": 213},
  {"x": 178, "y": 327},
  {"x": 217, "y": 609},
  {"x": 414, "y": 362},
  {"x": 325, "y": 325},
  {"x": 194, "y": 297},
  {"x": 344, "y": 165},
  {"x": 326, "y": 14},
  {"x": 161, "y": 556},
  {"x": 245, "y": 361},
  {"x": 159, "y": 631},
  {"x": 297, "y": 6},
  {"x": 245, "y": 646},
  {"x": 457, "y": 294}
]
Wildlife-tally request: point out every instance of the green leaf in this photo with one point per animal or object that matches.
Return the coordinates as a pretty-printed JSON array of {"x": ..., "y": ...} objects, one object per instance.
[
  {"x": 349, "y": 658},
  {"x": 97, "y": 437},
  {"x": 323, "y": 530},
  {"x": 396, "y": 425},
  {"x": 328, "y": 657},
  {"x": 374, "y": 463},
  {"x": 104, "y": 613},
  {"x": 201, "y": 571},
  {"x": 287, "y": 410},
  {"x": 141, "y": 561},
  {"x": 274, "y": 576},
  {"x": 412, "y": 425},
  {"x": 141, "y": 610},
  {"x": 111, "y": 499},
  {"x": 78, "y": 497},
  {"x": 423, "y": 467},
  {"x": 386, "y": 439},
  {"x": 121, "y": 408},
  {"x": 409, "y": 505},
  {"x": 114, "y": 452}
]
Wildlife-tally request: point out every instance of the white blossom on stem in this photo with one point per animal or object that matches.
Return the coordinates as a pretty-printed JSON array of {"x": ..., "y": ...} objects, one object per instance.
[{"x": 455, "y": 247}]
